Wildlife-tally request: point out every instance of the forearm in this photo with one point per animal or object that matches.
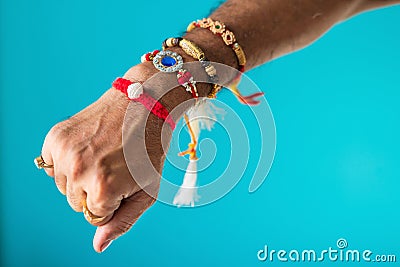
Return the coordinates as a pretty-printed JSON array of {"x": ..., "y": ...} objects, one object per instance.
[
  {"x": 265, "y": 30},
  {"x": 270, "y": 29}
]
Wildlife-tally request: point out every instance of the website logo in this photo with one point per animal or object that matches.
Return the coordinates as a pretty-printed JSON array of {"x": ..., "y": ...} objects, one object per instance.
[{"x": 340, "y": 253}]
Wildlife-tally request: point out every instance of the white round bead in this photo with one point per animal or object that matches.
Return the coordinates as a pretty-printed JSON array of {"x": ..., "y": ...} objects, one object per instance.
[{"x": 134, "y": 90}]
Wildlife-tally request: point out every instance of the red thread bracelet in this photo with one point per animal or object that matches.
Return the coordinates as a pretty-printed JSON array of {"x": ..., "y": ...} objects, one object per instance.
[{"x": 134, "y": 91}]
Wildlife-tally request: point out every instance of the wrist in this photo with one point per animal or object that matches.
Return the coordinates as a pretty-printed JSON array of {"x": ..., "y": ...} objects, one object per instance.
[
  {"x": 164, "y": 87},
  {"x": 157, "y": 86},
  {"x": 213, "y": 47},
  {"x": 173, "y": 96},
  {"x": 158, "y": 94}
]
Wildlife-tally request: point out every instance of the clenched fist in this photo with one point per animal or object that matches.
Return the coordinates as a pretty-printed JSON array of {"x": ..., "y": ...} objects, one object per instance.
[{"x": 90, "y": 167}]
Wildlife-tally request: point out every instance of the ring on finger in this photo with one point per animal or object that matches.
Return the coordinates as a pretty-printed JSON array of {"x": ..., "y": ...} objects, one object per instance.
[
  {"x": 40, "y": 163},
  {"x": 89, "y": 216}
]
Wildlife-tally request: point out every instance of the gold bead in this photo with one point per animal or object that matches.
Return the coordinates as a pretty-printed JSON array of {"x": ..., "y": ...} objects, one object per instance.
[
  {"x": 239, "y": 54},
  {"x": 191, "y": 49},
  {"x": 191, "y": 26},
  {"x": 169, "y": 42},
  {"x": 211, "y": 71}
]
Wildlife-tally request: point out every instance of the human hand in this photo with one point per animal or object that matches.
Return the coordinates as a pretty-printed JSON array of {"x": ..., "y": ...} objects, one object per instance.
[{"x": 89, "y": 164}]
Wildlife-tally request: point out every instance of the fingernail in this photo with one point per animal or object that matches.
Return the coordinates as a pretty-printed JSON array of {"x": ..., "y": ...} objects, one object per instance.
[{"x": 105, "y": 245}]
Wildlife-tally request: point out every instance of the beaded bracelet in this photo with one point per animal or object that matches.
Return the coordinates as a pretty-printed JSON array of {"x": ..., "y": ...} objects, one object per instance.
[
  {"x": 149, "y": 56},
  {"x": 218, "y": 28},
  {"x": 134, "y": 91},
  {"x": 168, "y": 61},
  {"x": 196, "y": 52}
]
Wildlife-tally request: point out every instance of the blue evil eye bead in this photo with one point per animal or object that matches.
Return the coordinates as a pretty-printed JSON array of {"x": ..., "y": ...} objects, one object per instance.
[{"x": 168, "y": 61}]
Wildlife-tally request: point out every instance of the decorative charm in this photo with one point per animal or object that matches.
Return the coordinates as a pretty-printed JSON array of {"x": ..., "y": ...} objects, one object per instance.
[
  {"x": 193, "y": 50},
  {"x": 135, "y": 90},
  {"x": 217, "y": 27},
  {"x": 228, "y": 37},
  {"x": 205, "y": 23},
  {"x": 168, "y": 61},
  {"x": 211, "y": 71},
  {"x": 185, "y": 79}
]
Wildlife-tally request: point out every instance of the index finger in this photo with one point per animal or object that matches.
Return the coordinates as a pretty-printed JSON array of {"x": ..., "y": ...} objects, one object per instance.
[{"x": 47, "y": 155}]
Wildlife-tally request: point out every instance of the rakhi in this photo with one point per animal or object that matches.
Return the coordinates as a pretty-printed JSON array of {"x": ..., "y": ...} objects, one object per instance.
[
  {"x": 229, "y": 38},
  {"x": 168, "y": 61},
  {"x": 193, "y": 50},
  {"x": 134, "y": 91},
  {"x": 187, "y": 193},
  {"x": 219, "y": 28},
  {"x": 203, "y": 114}
]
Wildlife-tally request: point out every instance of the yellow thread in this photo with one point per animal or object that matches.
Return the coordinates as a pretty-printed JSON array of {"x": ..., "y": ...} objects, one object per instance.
[{"x": 191, "y": 151}]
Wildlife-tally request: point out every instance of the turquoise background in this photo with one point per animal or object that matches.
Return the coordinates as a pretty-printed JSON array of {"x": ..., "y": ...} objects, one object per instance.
[{"x": 336, "y": 171}]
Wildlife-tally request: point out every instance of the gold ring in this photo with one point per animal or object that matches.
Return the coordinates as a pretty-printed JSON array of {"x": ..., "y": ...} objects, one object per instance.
[
  {"x": 89, "y": 216},
  {"x": 40, "y": 164}
]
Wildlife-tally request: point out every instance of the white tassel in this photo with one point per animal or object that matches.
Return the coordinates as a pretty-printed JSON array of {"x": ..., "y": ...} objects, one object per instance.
[
  {"x": 187, "y": 194},
  {"x": 205, "y": 112},
  {"x": 201, "y": 116}
]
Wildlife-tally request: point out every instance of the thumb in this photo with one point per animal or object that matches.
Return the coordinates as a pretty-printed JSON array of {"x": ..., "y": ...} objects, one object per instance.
[{"x": 124, "y": 217}]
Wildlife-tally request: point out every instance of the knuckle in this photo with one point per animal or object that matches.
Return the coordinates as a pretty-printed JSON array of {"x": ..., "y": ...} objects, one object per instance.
[
  {"x": 74, "y": 203},
  {"x": 56, "y": 139},
  {"x": 56, "y": 131},
  {"x": 76, "y": 166},
  {"x": 102, "y": 163},
  {"x": 99, "y": 192},
  {"x": 60, "y": 132},
  {"x": 103, "y": 197},
  {"x": 100, "y": 208},
  {"x": 74, "y": 198},
  {"x": 105, "y": 183}
]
